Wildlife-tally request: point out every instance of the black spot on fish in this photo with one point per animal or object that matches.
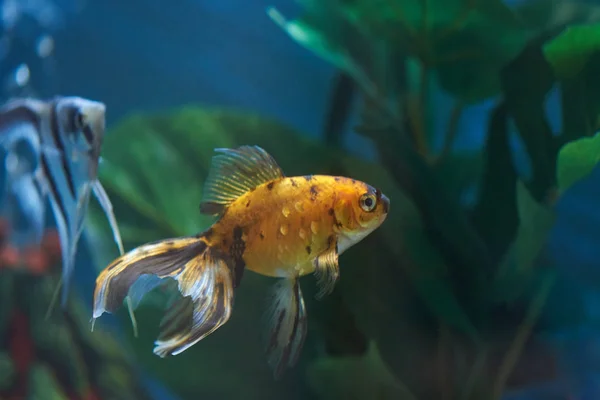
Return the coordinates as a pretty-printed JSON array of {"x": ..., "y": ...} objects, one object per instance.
[
  {"x": 335, "y": 220},
  {"x": 270, "y": 185},
  {"x": 236, "y": 252},
  {"x": 262, "y": 236},
  {"x": 308, "y": 249},
  {"x": 248, "y": 204},
  {"x": 294, "y": 183},
  {"x": 308, "y": 178},
  {"x": 331, "y": 212},
  {"x": 313, "y": 192},
  {"x": 353, "y": 181},
  {"x": 337, "y": 179},
  {"x": 330, "y": 240}
]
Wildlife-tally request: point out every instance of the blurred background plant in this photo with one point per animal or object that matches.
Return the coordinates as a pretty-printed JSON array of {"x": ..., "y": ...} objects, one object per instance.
[{"x": 477, "y": 118}]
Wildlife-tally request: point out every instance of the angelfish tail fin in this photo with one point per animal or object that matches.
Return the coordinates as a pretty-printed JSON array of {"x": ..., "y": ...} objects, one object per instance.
[
  {"x": 204, "y": 280},
  {"x": 286, "y": 326}
]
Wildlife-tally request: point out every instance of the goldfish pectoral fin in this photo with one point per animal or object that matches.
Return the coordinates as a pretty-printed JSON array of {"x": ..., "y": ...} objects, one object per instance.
[
  {"x": 235, "y": 172},
  {"x": 106, "y": 205},
  {"x": 152, "y": 262},
  {"x": 327, "y": 270},
  {"x": 287, "y": 326},
  {"x": 207, "y": 303}
]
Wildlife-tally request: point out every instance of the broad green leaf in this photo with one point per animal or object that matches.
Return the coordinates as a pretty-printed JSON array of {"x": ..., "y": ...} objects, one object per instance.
[
  {"x": 526, "y": 82},
  {"x": 535, "y": 221},
  {"x": 324, "y": 46},
  {"x": 576, "y": 160},
  {"x": 516, "y": 271},
  {"x": 460, "y": 172},
  {"x": 430, "y": 276},
  {"x": 356, "y": 377},
  {"x": 465, "y": 43},
  {"x": 495, "y": 215},
  {"x": 569, "y": 52}
]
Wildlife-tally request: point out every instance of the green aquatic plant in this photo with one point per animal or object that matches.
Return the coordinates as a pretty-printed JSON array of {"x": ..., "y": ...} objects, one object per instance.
[
  {"x": 54, "y": 356},
  {"x": 440, "y": 286},
  {"x": 477, "y": 50}
]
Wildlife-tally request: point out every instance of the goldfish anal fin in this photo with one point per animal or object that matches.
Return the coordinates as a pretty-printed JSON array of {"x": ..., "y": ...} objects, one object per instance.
[
  {"x": 207, "y": 288},
  {"x": 235, "y": 172},
  {"x": 327, "y": 270},
  {"x": 286, "y": 326}
]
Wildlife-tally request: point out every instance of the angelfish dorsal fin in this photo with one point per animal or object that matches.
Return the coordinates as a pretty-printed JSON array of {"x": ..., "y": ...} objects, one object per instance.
[{"x": 235, "y": 172}]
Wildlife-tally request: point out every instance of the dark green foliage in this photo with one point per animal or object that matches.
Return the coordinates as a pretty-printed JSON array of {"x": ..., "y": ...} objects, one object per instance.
[
  {"x": 67, "y": 359},
  {"x": 489, "y": 254},
  {"x": 526, "y": 82},
  {"x": 571, "y": 50},
  {"x": 498, "y": 186},
  {"x": 441, "y": 283}
]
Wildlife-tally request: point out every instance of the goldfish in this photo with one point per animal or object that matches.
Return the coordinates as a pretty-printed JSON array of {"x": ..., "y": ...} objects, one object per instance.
[
  {"x": 64, "y": 137},
  {"x": 276, "y": 226}
]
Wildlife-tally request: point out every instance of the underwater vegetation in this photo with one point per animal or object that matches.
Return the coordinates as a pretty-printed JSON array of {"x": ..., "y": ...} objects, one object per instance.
[
  {"x": 55, "y": 356},
  {"x": 448, "y": 299},
  {"x": 454, "y": 297}
]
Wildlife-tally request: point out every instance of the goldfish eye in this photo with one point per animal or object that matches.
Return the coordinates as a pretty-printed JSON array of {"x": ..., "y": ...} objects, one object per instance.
[{"x": 368, "y": 202}]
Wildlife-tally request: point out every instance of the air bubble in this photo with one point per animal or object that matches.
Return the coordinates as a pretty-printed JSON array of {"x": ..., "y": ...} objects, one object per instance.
[
  {"x": 22, "y": 75},
  {"x": 45, "y": 46}
]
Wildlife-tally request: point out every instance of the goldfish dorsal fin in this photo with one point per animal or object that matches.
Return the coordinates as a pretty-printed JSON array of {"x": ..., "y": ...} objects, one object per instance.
[{"x": 235, "y": 172}]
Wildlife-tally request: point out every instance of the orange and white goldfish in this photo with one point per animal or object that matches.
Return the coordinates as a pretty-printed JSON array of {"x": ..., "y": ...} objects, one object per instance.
[{"x": 283, "y": 227}]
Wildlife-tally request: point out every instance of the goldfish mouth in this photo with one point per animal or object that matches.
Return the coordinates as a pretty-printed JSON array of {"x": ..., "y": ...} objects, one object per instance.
[{"x": 385, "y": 203}]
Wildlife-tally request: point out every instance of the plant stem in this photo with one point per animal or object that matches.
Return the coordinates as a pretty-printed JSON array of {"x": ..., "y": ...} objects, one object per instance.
[
  {"x": 443, "y": 362},
  {"x": 457, "y": 111},
  {"x": 523, "y": 333},
  {"x": 419, "y": 117}
]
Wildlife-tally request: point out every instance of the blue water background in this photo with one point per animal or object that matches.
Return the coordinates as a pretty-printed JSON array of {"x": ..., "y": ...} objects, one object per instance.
[{"x": 150, "y": 55}]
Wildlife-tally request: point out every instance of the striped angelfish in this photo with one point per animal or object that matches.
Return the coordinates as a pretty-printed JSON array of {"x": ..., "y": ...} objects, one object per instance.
[{"x": 65, "y": 136}]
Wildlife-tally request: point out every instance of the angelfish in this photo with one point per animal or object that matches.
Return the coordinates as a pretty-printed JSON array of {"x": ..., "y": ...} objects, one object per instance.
[
  {"x": 65, "y": 136},
  {"x": 282, "y": 227}
]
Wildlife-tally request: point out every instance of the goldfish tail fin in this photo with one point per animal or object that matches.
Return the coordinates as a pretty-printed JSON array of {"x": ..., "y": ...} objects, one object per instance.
[
  {"x": 204, "y": 279},
  {"x": 286, "y": 325}
]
